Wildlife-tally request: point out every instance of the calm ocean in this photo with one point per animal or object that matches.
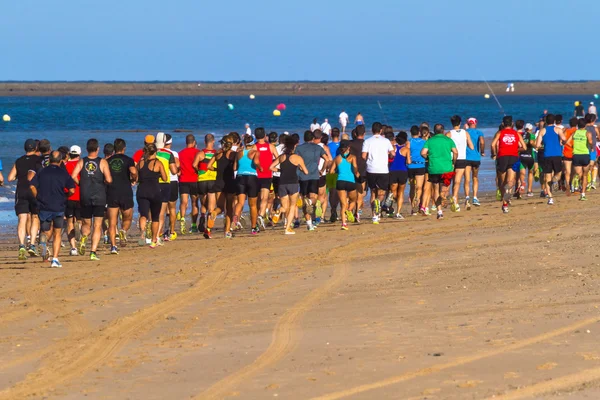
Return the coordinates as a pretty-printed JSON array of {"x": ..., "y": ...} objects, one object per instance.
[{"x": 73, "y": 120}]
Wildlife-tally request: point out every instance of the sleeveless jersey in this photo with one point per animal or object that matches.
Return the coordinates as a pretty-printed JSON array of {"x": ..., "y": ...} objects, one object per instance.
[{"x": 508, "y": 145}]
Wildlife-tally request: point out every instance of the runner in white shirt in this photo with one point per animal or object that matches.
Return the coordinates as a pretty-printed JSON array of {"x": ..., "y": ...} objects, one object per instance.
[
  {"x": 170, "y": 233},
  {"x": 315, "y": 125},
  {"x": 325, "y": 127},
  {"x": 375, "y": 151},
  {"x": 248, "y": 130},
  {"x": 344, "y": 119},
  {"x": 461, "y": 139}
]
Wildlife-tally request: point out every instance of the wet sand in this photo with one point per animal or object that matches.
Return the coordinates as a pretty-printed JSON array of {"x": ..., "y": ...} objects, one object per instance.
[
  {"x": 292, "y": 88},
  {"x": 478, "y": 305}
]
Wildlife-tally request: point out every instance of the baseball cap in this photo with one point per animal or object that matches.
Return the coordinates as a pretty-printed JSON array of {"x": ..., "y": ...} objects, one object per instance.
[
  {"x": 168, "y": 139},
  {"x": 30, "y": 145},
  {"x": 75, "y": 150},
  {"x": 160, "y": 140},
  {"x": 591, "y": 103},
  {"x": 528, "y": 127},
  {"x": 472, "y": 121},
  {"x": 149, "y": 139}
]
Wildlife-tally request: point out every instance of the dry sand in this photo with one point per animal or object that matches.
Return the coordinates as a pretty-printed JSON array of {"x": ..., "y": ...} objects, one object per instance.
[
  {"x": 478, "y": 305},
  {"x": 291, "y": 88}
]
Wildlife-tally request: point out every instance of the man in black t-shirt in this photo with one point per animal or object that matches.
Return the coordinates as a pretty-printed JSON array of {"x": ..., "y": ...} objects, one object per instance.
[
  {"x": 120, "y": 194},
  {"x": 49, "y": 189},
  {"x": 24, "y": 169}
]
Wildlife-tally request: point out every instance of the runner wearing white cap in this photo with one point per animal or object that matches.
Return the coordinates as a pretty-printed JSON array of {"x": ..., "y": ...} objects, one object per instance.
[{"x": 592, "y": 109}]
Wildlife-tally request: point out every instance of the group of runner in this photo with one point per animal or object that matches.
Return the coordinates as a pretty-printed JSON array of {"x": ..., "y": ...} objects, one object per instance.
[{"x": 282, "y": 179}]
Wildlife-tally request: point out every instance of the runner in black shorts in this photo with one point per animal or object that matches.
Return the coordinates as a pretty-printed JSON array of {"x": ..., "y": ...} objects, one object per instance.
[
  {"x": 223, "y": 162},
  {"x": 120, "y": 194}
]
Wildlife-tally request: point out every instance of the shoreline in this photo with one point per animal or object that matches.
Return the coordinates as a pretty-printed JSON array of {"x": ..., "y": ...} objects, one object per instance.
[{"x": 466, "y": 88}]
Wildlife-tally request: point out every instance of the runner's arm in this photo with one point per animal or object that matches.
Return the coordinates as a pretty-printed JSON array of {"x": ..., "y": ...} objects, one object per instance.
[
  {"x": 333, "y": 165},
  {"x": 76, "y": 171},
  {"x": 211, "y": 164},
  {"x": 274, "y": 164},
  {"x": 12, "y": 175},
  {"x": 470, "y": 142},
  {"x": 255, "y": 157},
  {"x": 522, "y": 144},
  {"x": 173, "y": 165},
  {"x": 494, "y": 146},
  {"x": 355, "y": 167},
  {"x": 482, "y": 145},
  {"x": 105, "y": 170},
  {"x": 538, "y": 142},
  {"x": 133, "y": 174},
  {"x": 199, "y": 158},
  {"x": 302, "y": 165},
  {"x": 454, "y": 155}
]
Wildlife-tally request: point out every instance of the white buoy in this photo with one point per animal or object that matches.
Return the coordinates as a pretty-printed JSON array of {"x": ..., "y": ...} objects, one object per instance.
[
  {"x": 252, "y": 97},
  {"x": 6, "y": 118},
  {"x": 487, "y": 96}
]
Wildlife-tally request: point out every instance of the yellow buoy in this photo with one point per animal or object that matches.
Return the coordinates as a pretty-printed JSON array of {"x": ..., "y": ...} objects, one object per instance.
[
  {"x": 276, "y": 113},
  {"x": 576, "y": 104},
  {"x": 6, "y": 118}
]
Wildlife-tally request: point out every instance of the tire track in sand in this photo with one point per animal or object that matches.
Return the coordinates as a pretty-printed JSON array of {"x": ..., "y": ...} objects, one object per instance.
[
  {"x": 562, "y": 383},
  {"x": 75, "y": 359},
  {"x": 457, "y": 362},
  {"x": 284, "y": 337}
]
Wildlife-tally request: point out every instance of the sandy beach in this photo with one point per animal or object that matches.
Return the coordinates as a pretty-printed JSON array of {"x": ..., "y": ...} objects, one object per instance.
[
  {"x": 291, "y": 88},
  {"x": 478, "y": 305}
]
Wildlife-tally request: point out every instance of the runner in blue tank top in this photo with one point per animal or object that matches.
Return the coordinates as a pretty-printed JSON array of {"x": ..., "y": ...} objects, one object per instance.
[
  {"x": 551, "y": 138},
  {"x": 417, "y": 166},
  {"x": 399, "y": 171},
  {"x": 345, "y": 166}
]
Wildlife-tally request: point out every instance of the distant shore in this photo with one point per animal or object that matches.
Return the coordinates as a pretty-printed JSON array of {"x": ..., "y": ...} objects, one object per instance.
[{"x": 292, "y": 88}]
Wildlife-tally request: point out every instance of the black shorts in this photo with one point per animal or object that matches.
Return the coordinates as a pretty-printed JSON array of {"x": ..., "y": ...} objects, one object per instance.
[
  {"x": 581, "y": 160},
  {"x": 378, "y": 181},
  {"x": 276, "y": 180},
  {"x": 150, "y": 208},
  {"x": 460, "y": 164},
  {"x": 124, "y": 201},
  {"x": 287, "y": 189},
  {"x": 527, "y": 162},
  {"x": 345, "y": 186},
  {"x": 361, "y": 179},
  {"x": 174, "y": 192},
  {"x": 189, "y": 188},
  {"x": 505, "y": 163},
  {"x": 51, "y": 218},
  {"x": 567, "y": 158},
  {"x": 308, "y": 187},
  {"x": 73, "y": 209},
  {"x": 552, "y": 164},
  {"x": 26, "y": 204},
  {"x": 206, "y": 187},
  {"x": 219, "y": 186},
  {"x": 322, "y": 181},
  {"x": 87, "y": 212},
  {"x": 398, "y": 177},
  {"x": 248, "y": 185},
  {"x": 473, "y": 164},
  {"x": 435, "y": 178},
  {"x": 165, "y": 192},
  {"x": 230, "y": 186},
  {"x": 414, "y": 172},
  {"x": 264, "y": 183}
]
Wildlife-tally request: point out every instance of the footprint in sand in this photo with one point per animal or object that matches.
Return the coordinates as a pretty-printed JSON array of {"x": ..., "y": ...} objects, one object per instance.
[
  {"x": 469, "y": 384},
  {"x": 547, "y": 366},
  {"x": 428, "y": 392},
  {"x": 511, "y": 375},
  {"x": 589, "y": 356}
]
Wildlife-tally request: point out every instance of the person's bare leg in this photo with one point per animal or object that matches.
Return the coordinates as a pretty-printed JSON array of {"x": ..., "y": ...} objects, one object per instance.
[
  {"x": 195, "y": 209},
  {"x": 323, "y": 199},
  {"x": 183, "y": 204},
  {"x": 113, "y": 216},
  {"x": 57, "y": 233},
  {"x": 22, "y": 229},
  {"x": 568, "y": 169},
  {"x": 400, "y": 197},
  {"x": 143, "y": 221},
  {"x": 343, "y": 205},
  {"x": 456, "y": 186},
  {"x": 126, "y": 219},
  {"x": 35, "y": 227},
  {"x": 585, "y": 171},
  {"x": 427, "y": 189},
  {"x": 86, "y": 226},
  {"x": 97, "y": 233},
  {"x": 241, "y": 199},
  {"x": 467, "y": 185},
  {"x": 161, "y": 219},
  {"x": 264, "y": 202},
  {"x": 71, "y": 232},
  {"x": 548, "y": 186},
  {"x": 172, "y": 216},
  {"x": 252, "y": 203}
]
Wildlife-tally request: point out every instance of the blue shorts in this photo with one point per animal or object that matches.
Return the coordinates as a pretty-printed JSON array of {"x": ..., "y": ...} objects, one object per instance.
[
  {"x": 49, "y": 217},
  {"x": 593, "y": 155},
  {"x": 516, "y": 166}
]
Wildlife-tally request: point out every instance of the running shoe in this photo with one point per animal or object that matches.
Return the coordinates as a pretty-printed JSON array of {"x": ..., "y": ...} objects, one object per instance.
[
  {"x": 376, "y": 207},
  {"x": 593, "y": 186},
  {"x": 375, "y": 220},
  {"x": 160, "y": 242},
  {"x": 228, "y": 235},
  {"x": 318, "y": 209},
  {"x": 276, "y": 216},
  {"x": 55, "y": 263},
  {"x": 297, "y": 224},
  {"x": 550, "y": 201},
  {"x": 317, "y": 221},
  {"x": 334, "y": 216},
  {"x": 505, "y": 208},
  {"x": 207, "y": 234},
  {"x": 202, "y": 223},
  {"x": 173, "y": 236},
  {"x": 311, "y": 228},
  {"x": 122, "y": 236},
  {"x": 33, "y": 251},
  {"x": 498, "y": 195},
  {"x": 358, "y": 216},
  {"x": 344, "y": 227},
  {"x": 467, "y": 203},
  {"x": 350, "y": 216},
  {"x": 210, "y": 221},
  {"x": 424, "y": 211},
  {"x": 153, "y": 245},
  {"x": 261, "y": 223},
  {"x": 255, "y": 231},
  {"x": 106, "y": 239},
  {"x": 399, "y": 216},
  {"x": 542, "y": 194},
  {"x": 583, "y": 198},
  {"x": 73, "y": 252},
  {"x": 389, "y": 200},
  {"x": 440, "y": 215},
  {"x": 94, "y": 257},
  {"x": 22, "y": 253},
  {"x": 179, "y": 216},
  {"x": 114, "y": 250},
  {"x": 413, "y": 213},
  {"x": 195, "y": 227},
  {"x": 289, "y": 231},
  {"x": 476, "y": 202},
  {"x": 165, "y": 236},
  {"x": 529, "y": 194},
  {"x": 182, "y": 227},
  {"x": 454, "y": 206}
]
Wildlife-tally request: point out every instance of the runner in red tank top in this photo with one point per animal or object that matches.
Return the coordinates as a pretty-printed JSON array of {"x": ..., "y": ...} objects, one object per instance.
[
  {"x": 505, "y": 149},
  {"x": 267, "y": 152},
  {"x": 73, "y": 209}
]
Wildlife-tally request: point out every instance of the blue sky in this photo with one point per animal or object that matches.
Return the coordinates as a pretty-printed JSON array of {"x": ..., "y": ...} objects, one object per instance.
[{"x": 205, "y": 40}]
